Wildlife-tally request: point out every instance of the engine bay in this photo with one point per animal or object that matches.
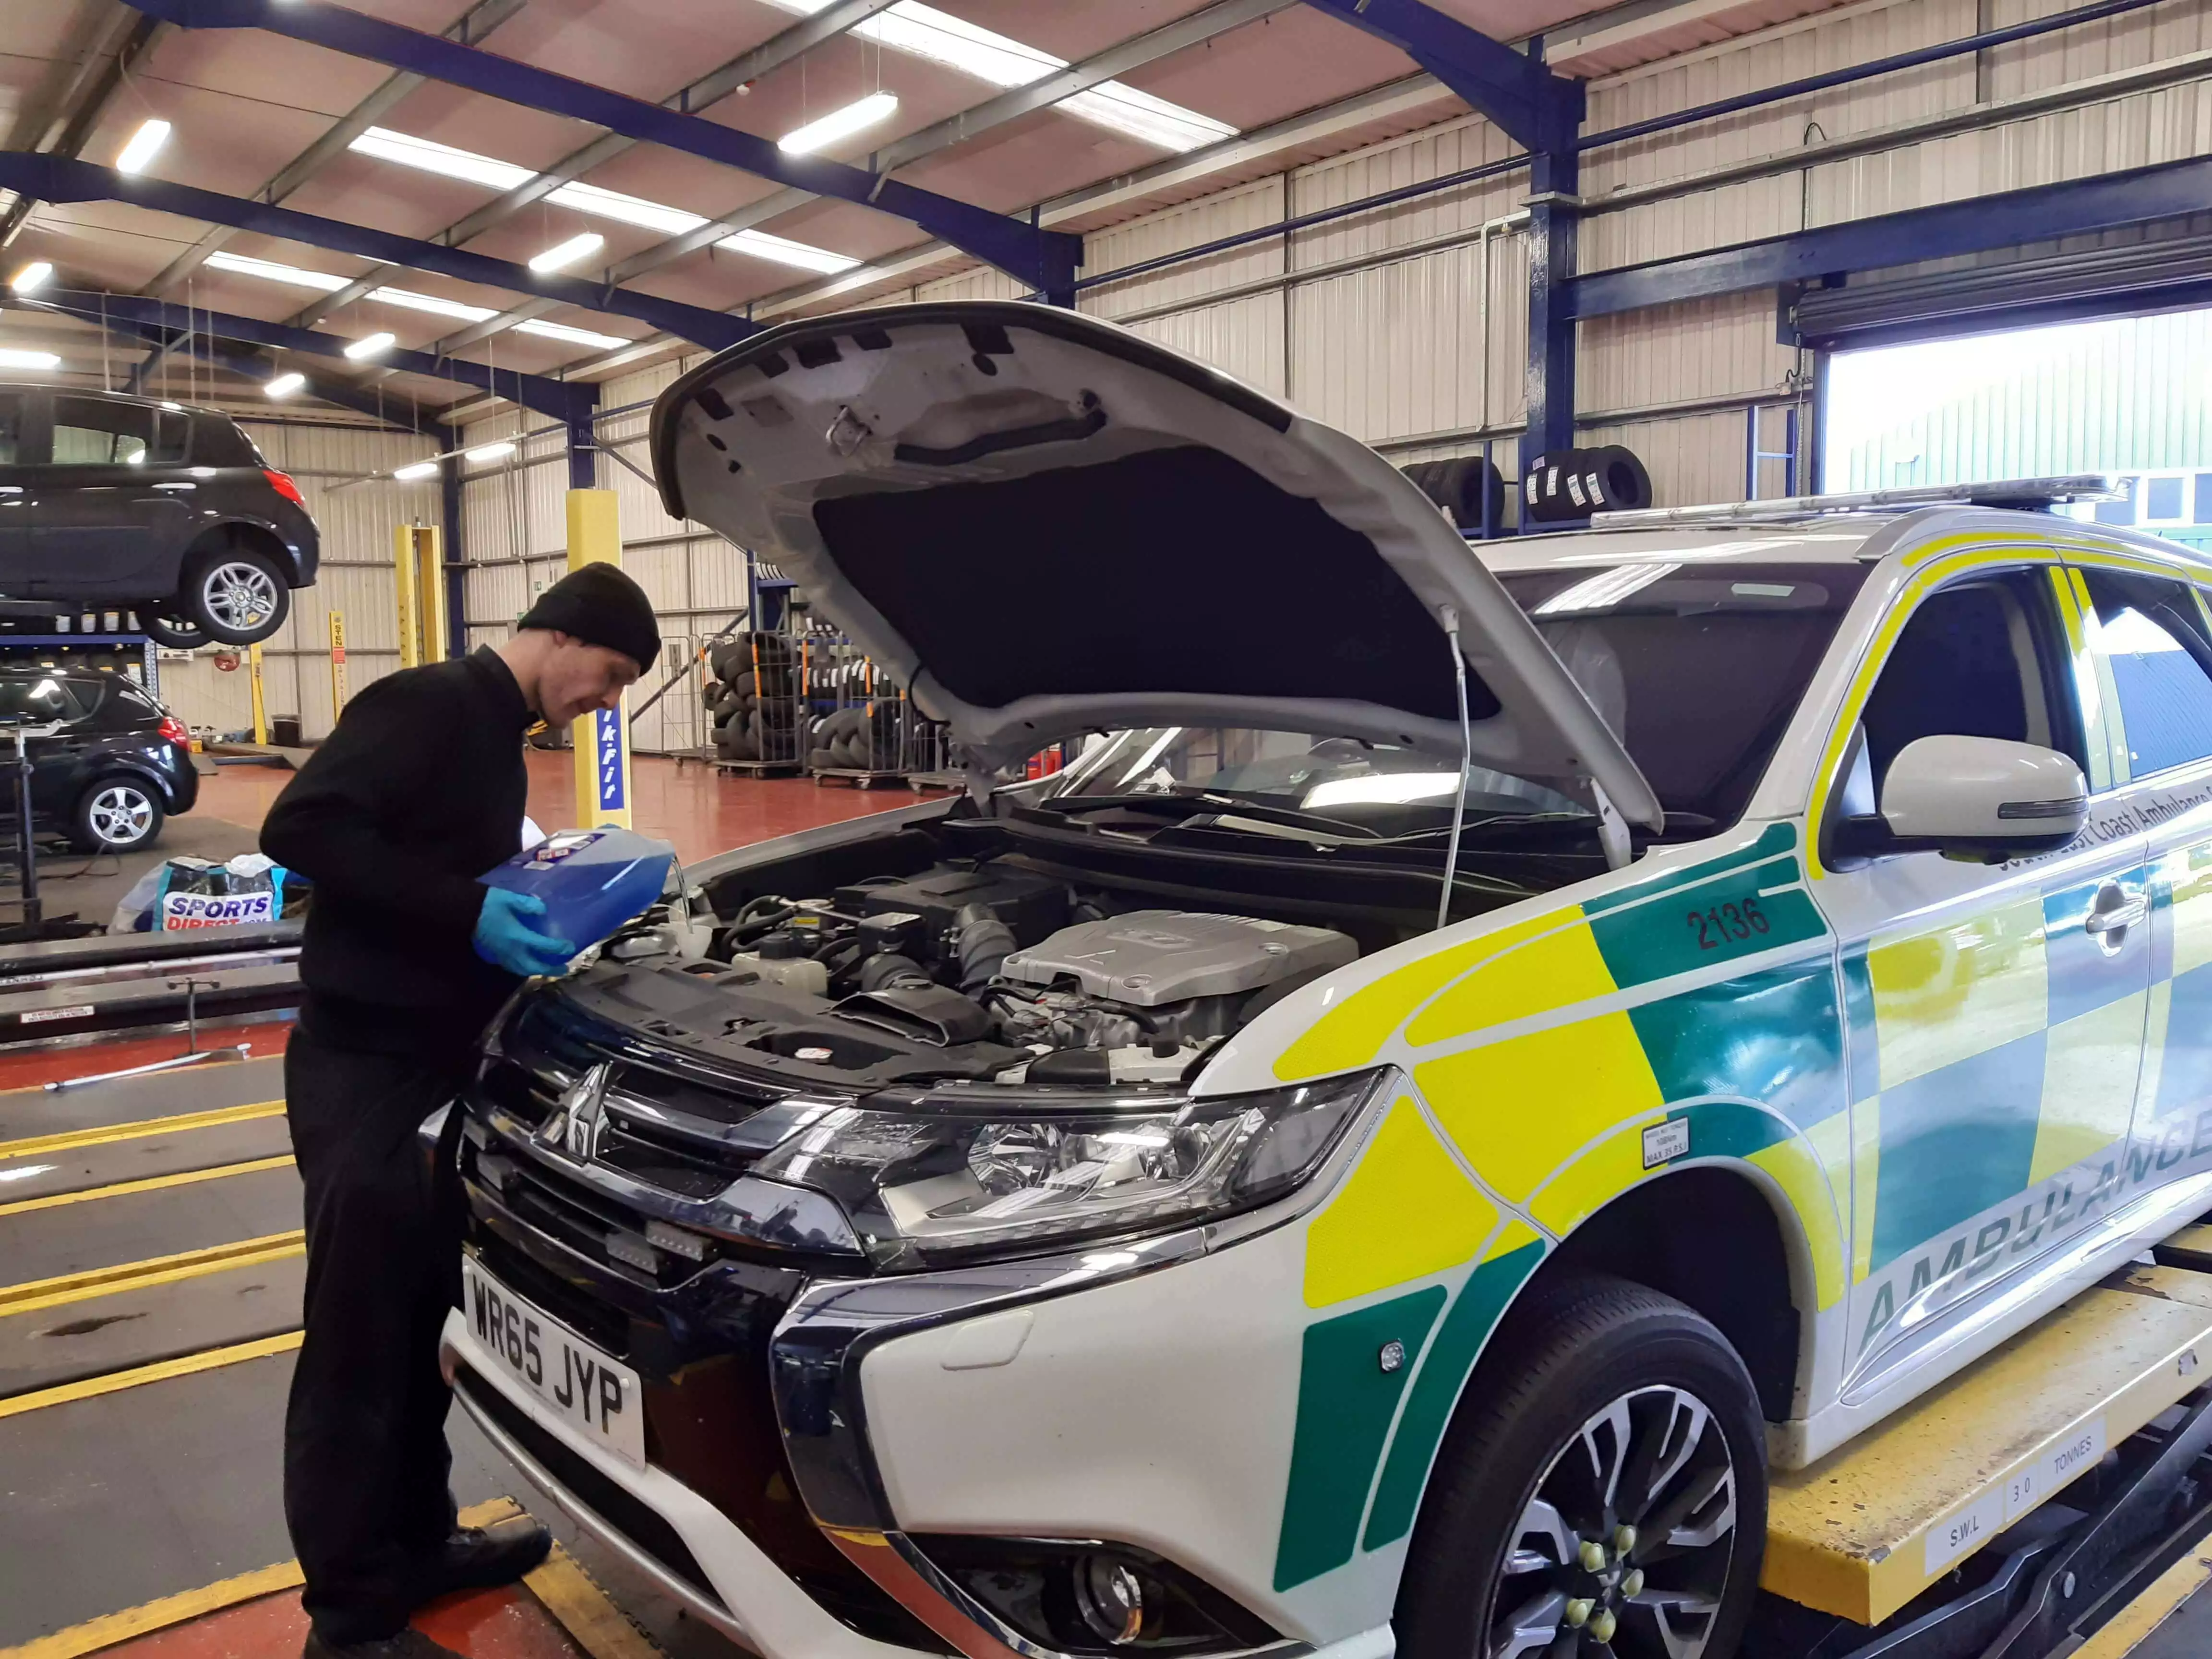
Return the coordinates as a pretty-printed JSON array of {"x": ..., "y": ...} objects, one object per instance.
[{"x": 968, "y": 970}]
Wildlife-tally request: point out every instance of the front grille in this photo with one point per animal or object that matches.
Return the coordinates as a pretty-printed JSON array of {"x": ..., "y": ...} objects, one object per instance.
[
  {"x": 603, "y": 1326},
  {"x": 635, "y": 1520}
]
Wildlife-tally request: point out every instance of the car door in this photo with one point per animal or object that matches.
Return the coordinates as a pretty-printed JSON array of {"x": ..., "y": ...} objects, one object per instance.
[
  {"x": 1996, "y": 1011},
  {"x": 2151, "y": 640},
  {"x": 110, "y": 503}
]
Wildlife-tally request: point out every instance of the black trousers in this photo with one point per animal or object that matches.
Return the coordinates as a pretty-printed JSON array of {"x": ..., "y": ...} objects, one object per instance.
[{"x": 366, "y": 1463}]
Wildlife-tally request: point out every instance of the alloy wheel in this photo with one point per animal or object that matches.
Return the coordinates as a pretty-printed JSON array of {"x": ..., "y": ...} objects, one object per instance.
[
  {"x": 239, "y": 595},
  {"x": 120, "y": 814},
  {"x": 1623, "y": 1549}
]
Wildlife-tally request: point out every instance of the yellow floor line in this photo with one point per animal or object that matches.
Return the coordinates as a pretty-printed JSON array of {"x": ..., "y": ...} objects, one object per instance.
[
  {"x": 586, "y": 1612},
  {"x": 101, "y": 1134},
  {"x": 151, "y": 1183},
  {"x": 37, "y": 1293},
  {"x": 92, "y": 1387},
  {"x": 2126, "y": 1629},
  {"x": 110, "y": 1628}
]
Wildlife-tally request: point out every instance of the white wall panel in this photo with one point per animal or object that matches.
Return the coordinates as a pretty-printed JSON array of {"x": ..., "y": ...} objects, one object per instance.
[
  {"x": 1242, "y": 337},
  {"x": 1670, "y": 354}
]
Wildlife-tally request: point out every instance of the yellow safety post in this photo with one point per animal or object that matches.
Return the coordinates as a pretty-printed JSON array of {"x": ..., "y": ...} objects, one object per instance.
[
  {"x": 253, "y": 678},
  {"x": 602, "y": 737},
  {"x": 418, "y": 569},
  {"x": 338, "y": 666},
  {"x": 403, "y": 594}
]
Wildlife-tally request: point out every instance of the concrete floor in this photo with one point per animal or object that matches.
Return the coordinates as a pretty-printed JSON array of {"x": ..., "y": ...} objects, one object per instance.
[{"x": 119, "y": 1499}]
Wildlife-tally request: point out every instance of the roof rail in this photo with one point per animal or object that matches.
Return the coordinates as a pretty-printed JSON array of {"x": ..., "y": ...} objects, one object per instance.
[{"x": 2004, "y": 492}]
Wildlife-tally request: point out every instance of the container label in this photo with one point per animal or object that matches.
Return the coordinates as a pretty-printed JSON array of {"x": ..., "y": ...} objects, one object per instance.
[
  {"x": 1965, "y": 1530},
  {"x": 2078, "y": 1454},
  {"x": 217, "y": 910},
  {"x": 39, "y": 1015}
]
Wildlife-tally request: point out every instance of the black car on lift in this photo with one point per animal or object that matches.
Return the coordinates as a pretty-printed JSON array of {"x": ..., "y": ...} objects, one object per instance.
[
  {"x": 136, "y": 504},
  {"x": 114, "y": 764}
]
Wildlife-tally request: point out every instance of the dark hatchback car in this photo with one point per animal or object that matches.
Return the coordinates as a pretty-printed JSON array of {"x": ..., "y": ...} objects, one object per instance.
[
  {"x": 115, "y": 764},
  {"x": 136, "y": 504}
]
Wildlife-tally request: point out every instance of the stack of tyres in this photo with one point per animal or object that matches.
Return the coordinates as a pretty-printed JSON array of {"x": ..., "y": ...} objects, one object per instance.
[
  {"x": 1460, "y": 487},
  {"x": 754, "y": 699},
  {"x": 869, "y": 738},
  {"x": 1573, "y": 484}
]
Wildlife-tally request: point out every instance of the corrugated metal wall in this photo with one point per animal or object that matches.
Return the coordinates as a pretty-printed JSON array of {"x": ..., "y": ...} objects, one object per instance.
[
  {"x": 515, "y": 533},
  {"x": 1384, "y": 323},
  {"x": 358, "y": 520}
]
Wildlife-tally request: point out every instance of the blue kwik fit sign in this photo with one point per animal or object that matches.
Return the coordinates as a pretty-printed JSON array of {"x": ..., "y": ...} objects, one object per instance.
[{"x": 607, "y": 740}]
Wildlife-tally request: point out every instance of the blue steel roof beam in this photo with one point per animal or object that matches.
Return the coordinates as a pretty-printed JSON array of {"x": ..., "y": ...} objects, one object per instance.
[
  {"x": 1538, "y": 109},
  {"x": 779, "y": 49},
  {"x": 1976, "y": 225},
  {"x": 398, "y": 413},
  {"x": 56, "y": 179},
  {"x": 560, "y": 400},
  {"x": 1045, "y": 260}
]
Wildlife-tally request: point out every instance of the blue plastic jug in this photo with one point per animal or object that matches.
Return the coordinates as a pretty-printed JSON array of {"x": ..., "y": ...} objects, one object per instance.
[{"x": 592, "y": 881}]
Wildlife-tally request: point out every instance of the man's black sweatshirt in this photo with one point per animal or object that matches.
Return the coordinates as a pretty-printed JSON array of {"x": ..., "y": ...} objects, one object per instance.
[{"x": 418, "y": 792}]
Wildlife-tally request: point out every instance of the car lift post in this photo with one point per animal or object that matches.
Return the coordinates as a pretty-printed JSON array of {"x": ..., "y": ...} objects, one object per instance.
[
  {"x": 601, "y": 738},
  {"x": 260, "y": 704},
  {"x": 418, "y": 558}
]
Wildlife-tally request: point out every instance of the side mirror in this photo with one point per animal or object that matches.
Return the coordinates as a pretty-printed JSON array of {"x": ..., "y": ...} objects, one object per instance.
[{"x": 1978, "y": 798}]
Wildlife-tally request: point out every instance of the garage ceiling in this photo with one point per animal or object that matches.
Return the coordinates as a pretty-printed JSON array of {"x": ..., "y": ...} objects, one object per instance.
[{"x": 1195, "y": 95}]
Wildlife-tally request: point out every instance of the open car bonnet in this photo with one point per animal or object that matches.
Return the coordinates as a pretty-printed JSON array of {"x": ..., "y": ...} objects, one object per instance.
[{"x": 1047, "y": 525}]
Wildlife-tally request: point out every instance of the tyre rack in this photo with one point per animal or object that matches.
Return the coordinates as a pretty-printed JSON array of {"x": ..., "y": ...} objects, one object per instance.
[
  {"x": 775, "y": 721},
  {"x": 858, "y": 723},
  {"x": 2010, "y": 1511}
]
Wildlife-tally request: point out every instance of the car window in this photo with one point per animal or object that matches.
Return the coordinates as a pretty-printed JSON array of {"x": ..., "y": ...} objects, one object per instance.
[
  {"x": 39, "y": 700},
  {"x": 1981, "y": 659},
  {"x": 171, "y": 430},
  {"x": 217, "y": 442},
  {"x": 1698, "y": 669},
  {"x": 92, "y": 432},
  {"x": 11, "y": 428},
  {"x": 132, "y": 701},
  {"x": 2153, "y": 636}
]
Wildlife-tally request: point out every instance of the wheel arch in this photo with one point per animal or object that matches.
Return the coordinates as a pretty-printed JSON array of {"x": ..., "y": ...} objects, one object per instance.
[
  {"x": 1723, "y": 1238},
  {"x": 113, "y": 768},
  {"x": 251, "y": 533}
]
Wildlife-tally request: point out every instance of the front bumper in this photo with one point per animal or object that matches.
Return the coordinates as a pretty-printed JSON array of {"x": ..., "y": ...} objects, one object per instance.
[{"x": 808, "y": 1432}]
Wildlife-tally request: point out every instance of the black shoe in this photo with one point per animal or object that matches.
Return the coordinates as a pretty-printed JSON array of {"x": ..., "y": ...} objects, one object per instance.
[
  {"x": 484, "y": 1557},
  {"x": 410, "y": 1643}
]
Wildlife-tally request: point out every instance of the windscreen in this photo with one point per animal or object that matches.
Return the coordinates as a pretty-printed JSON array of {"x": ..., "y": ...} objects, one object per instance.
[{"x": 1696, "y": 668}]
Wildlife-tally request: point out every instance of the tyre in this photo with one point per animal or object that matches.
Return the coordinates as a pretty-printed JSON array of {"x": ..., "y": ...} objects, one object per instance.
[
  {"x": 235, "y": 594},
  {"x": 178, "y": 632},
  {"x": 117, "y": 814},
  {"x": 1601, "y": 1491}
]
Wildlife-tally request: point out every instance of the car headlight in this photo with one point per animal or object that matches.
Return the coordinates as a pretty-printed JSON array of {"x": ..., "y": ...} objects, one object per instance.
[{"x": 959, "y": 1177}]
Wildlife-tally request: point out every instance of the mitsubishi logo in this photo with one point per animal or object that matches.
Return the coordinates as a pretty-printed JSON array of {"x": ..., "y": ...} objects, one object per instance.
[{"x": 575, "y": 1127}]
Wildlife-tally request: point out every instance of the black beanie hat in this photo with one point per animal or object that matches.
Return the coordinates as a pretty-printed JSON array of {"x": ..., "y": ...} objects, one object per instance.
[{"x": 600, "y": 606}]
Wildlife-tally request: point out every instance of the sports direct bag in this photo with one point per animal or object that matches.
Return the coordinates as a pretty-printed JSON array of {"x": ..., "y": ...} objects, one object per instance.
[
  {"x": 198, "y": 893},
  {"x": 592, "y": 880}
]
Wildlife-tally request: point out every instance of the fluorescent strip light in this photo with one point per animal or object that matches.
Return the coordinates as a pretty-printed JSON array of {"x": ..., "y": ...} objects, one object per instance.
[
  {"x": 574, "y": 336},
  {"x": 442, "y": 159},
  {"x": 285, "y": 384},
  {"x": 374, "y": 345},
  {"x": 417, "y": 469},
  {"x": 761, "y": 245},
  {"x": 925, "y": 32},
  {"x": 269, "y": 270},
  {"x": 431, "y": 303},
  {"x": 839, "y": 124},
  {"x": 13, "y": 357},
  {"x": 564, "y": 254},
  {"x": 420, "y": 153},
  {"x": 488, "y": 453},
  {"x": 144, "y": 144},
  {"x": 33, "y": 276}
]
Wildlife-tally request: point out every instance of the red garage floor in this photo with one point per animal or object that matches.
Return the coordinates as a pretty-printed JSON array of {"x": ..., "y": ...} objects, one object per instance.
[{"x": 701, "y": 811}]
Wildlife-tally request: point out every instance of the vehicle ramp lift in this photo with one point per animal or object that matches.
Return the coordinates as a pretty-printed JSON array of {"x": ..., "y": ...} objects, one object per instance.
[{"x": 2015, "y": 1510}]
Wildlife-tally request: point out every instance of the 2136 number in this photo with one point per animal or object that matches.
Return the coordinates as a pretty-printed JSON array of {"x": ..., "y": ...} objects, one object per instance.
[{"x": 1717, "y": 927}]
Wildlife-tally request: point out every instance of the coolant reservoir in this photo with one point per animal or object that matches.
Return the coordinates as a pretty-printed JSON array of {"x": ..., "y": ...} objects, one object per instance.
[
  {"x": 592, "y": 881},
  {"x": 792, "y": 973}
]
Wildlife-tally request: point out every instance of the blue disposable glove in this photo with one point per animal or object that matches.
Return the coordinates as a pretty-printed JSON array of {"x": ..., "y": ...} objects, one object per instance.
[{"x": 508, "y": 935}]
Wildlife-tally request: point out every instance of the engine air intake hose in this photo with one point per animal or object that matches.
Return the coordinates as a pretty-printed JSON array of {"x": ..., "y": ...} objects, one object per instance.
[{"x": 981, "y": 944}]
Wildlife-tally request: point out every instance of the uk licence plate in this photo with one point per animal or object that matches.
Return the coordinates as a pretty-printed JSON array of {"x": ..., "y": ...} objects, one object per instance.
[{"x": 590, "y": 1390}]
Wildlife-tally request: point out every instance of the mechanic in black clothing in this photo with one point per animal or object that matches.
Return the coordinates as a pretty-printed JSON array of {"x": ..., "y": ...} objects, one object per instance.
[{"x": 406, "y": 956}]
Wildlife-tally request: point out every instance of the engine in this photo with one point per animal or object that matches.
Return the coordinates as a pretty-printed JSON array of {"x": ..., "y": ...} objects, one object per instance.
[{"x": 995, "y": 975}]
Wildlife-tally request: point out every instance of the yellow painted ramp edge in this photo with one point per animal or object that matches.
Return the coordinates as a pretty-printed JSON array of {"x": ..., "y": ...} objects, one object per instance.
[
  {"x": 564, "y": 1589},
  {"x": 1865, "y": 1530}
]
